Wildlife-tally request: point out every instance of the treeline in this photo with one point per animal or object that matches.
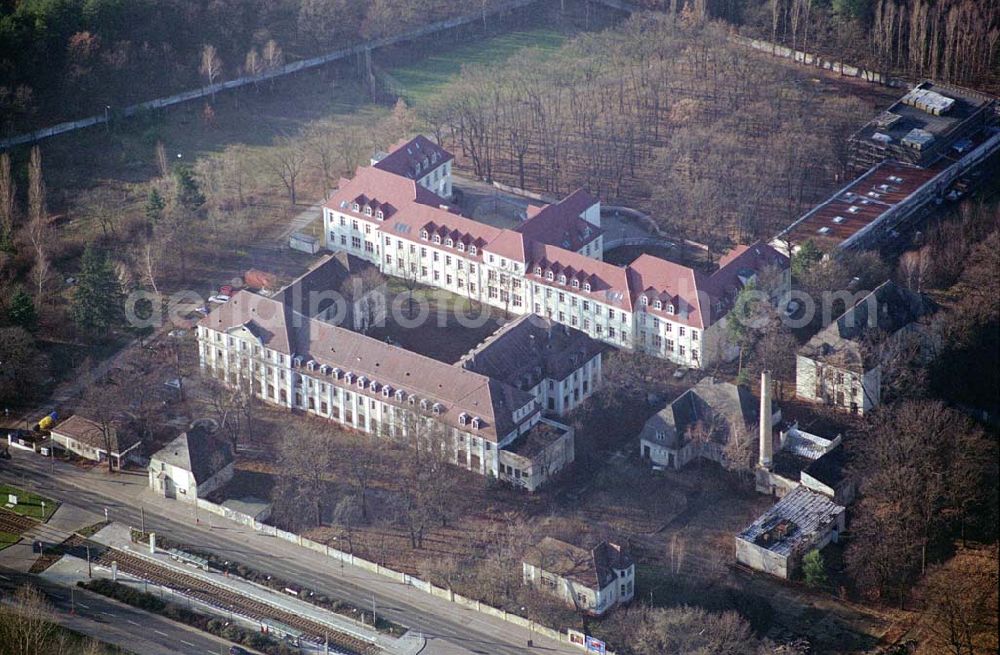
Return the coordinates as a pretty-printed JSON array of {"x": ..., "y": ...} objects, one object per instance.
[
  {"x": 661, "y": 112},
  {"x": 950, "y": 40},
  {"x": 67, "y": 58}
]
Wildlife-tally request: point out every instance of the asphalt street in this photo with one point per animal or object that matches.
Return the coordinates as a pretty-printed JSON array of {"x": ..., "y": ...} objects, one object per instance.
[
  {"x": 447, "y": 627},
  {"x": 115, "y": 623}
]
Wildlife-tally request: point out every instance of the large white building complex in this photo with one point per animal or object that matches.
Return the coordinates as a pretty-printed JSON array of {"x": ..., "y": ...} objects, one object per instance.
[
  {"x": 395, "y": 215},
  {"x": 482, "y": 422}
]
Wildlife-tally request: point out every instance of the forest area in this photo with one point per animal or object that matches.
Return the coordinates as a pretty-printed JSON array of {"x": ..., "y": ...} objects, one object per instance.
[
  {"x": 662, "y": 113},
  {"x": 949, "y": 40},
  {"x": 62, "y": 59}
]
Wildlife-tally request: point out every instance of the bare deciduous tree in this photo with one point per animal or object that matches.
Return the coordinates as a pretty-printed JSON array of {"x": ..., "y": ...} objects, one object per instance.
[
  {"x": 211, "y": 64},
  {"x": 286, "y": 162}
]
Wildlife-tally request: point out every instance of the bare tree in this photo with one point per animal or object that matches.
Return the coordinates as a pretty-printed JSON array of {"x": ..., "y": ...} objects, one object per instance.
[
  {"x": 27, "y": 622},
  {"x": 286, "y": 162},
  {"x": 253, "y": 65},
  {"x": 39, "y": 231},
  {"x": 103, "y": 403},
  {"x": 8, "y": 194},
  {"x": 274, "y": 58},
  {"x": 211, "y": 65},
  {"x": 961, "y": 596}
]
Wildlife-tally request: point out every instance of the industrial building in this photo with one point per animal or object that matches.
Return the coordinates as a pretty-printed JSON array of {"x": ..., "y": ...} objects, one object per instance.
[{"x": 909, "y": 156}]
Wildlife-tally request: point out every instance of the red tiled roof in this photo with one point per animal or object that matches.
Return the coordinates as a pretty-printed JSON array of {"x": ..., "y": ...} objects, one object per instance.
[
  {"x": 609, "y": 283},
  {"x": 675, "y": 286},
  {"x": 560, "y": 224}
]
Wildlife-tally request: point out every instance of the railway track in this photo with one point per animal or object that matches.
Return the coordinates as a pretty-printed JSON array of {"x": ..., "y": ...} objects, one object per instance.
[
  {"x": 224, "y": 599},
  {"x": 15, "y": 523}
]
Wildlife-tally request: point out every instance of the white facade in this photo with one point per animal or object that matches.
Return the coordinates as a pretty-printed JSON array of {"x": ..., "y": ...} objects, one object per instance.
[
  {"x": 505, "y": 284},
  {"x": 172, "y": 481},
  {"x": 237, "y": 357},
  {"x": 590, "y": 599},
  {"x": 844, "y": 388}
]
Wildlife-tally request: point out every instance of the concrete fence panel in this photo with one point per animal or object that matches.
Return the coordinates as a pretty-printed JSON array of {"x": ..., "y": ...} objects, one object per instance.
[{"x": 287, "y": 69}]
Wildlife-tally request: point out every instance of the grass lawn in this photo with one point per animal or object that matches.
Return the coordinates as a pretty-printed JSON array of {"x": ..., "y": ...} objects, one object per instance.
[
  {"x": 8, "y": 539},
  {"x": 441, "y": 335},
  {"x": 28, "y": 504},
  {"x": 424, "y": 77}
]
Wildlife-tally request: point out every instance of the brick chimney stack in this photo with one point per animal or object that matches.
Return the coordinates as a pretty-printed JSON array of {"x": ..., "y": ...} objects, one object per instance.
[{"x": 766, "y": 438}]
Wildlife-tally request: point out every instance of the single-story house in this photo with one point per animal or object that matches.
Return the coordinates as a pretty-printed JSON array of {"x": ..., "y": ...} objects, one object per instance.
[
  {"x": 700, "y": 423},
  {"x": 196, "y": 462},
  {"x": 593, "y": 581},
  {"x": 801, "y": 521},
  {"x": 86, "y": 438}
]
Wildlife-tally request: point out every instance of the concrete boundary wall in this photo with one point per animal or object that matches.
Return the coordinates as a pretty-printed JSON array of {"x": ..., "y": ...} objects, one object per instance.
[
  {"x": 397, "y": 576},
  {"x": 818, "y": 61},
  {"x": 287, "y": 69}
]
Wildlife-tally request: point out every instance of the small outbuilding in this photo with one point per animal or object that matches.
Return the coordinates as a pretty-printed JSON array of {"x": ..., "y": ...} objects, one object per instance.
[
  {"x": 90, "y": 440},
  {"x": 593, "y": 581},
  {"x": 801, "y": 521},
  {"x": 195, "y": 463}
]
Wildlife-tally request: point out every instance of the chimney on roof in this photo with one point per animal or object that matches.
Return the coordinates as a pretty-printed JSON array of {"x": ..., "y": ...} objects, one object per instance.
[{"x": 766, "y": 438}]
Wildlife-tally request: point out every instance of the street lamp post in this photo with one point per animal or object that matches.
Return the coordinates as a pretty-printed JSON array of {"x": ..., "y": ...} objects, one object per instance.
[{"x": 531, "y": 628}]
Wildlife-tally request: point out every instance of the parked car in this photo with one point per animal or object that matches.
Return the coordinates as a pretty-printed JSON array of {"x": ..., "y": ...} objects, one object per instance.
[{"x": 220, "y": 299}]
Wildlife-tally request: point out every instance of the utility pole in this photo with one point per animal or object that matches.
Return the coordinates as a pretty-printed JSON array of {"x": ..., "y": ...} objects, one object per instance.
[
  {"x": 374, "y": 619},
  {"x": 88, "y": 562},
  {"x": 142, "y": 520}
]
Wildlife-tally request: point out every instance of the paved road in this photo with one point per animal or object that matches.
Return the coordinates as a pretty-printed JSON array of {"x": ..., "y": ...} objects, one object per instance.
[
  {"x": 447, "y": 627},
  {"x": 115, "y": 623}
]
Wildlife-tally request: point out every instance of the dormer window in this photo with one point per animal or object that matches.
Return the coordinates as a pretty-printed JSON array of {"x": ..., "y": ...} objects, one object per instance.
[
  {"x": 423, "y": 234},
  {"x": 549, "y": 276},
  {"x": 356, "y": 207},
  {"x": 562, "y": 279},
  {"x": 448, "y": 242},
  {"x": 658, "y": 305},
  {"x": 576, "y": 284},
  {"x": 670, "y": 309},
  {"x": 437, "y": 408},
  {"x": 586, "y": 286},
  {"x": 349, "y": 378},
  {"x": 424, "y": 404},
  {"x": 386, "y": 391},
  {"x": 643, "y": 300},
  {"x": 463, "y": 418},
  {"x": 412, "y": 399},
  {"x": 472, "y": 250},
  {"x": 538, "y": 270},
  {"x": 437, "y": 238},
  {"x": 311, "y": 365},
  {"x": 461, "y": 247},
  {"x": 361, "y": 382},
  {"x": 380, "y": 215},
  {"x": 373, "y": 386},
  {"x": 336, "y": 373},
  {"x": 476, "y": 422},
  {"x": 400, "y": 395},
  {"x": 368, "y": 210}
]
